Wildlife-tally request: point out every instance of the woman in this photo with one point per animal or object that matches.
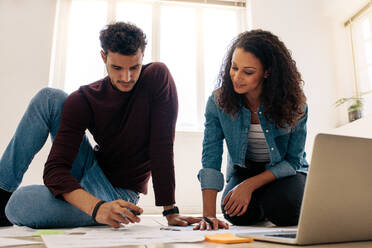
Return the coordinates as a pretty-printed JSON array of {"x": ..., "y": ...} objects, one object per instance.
[{"x": 260, "y": 110}]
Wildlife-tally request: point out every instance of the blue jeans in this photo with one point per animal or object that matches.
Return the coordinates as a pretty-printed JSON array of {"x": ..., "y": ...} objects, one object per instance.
[{"x": 35, "y": 206}]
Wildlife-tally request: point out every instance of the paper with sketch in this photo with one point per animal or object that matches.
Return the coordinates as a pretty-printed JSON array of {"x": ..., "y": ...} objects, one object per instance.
[
  {"x": 234, "y": 229},
  {"x": 137, "y": 234},
  {"x": 4, "y": 242},
  {"x": 115, "y": 239}
]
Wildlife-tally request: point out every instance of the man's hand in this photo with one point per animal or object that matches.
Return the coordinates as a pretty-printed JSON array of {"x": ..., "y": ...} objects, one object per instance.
[
  {"x": 179, "y": 220},
  {"x": 115, "y": 212},
  {"x": 237, "y": 200},
  {"x": 204, "y": 225}
]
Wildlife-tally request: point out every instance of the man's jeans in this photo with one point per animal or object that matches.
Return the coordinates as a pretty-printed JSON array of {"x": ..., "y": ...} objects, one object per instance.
[{"x": 34, "y": 205}]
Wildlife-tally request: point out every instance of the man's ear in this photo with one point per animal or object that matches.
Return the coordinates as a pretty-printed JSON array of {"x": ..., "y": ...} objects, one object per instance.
[{"x": 103, "y": 56}]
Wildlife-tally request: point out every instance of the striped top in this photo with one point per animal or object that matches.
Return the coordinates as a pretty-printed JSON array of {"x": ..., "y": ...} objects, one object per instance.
[{"x": 257, "y": 149}]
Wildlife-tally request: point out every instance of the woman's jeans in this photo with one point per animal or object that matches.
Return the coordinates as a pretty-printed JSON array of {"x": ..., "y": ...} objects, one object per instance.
[
  {"x": 279, "y": 201},
  {"x": 34, "y": 205}
]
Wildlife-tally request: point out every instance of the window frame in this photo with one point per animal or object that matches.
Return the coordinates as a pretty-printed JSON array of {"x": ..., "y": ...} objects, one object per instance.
[
  {"x": 59, "y": 49},
  {"x": 351, "y": 26}
]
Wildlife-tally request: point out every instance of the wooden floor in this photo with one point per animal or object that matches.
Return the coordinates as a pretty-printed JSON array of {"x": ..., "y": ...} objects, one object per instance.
[{"x": 149, "y": 221}]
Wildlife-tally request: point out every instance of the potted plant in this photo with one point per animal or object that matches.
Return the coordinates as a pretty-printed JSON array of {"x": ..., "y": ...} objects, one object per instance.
[{"x": 355, "y": 109}]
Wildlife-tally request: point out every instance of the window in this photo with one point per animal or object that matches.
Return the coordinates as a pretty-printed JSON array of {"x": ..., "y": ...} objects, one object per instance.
[
  {"x": 360, "y": 31},
  {"x": 191, "y": 38}
]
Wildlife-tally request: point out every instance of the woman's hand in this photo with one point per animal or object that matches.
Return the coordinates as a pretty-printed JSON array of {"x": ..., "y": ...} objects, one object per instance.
[
  {"x": 237, "y": 200},
  {"x": 179, "y": 220},
  {"x": 214, "y": 225}
]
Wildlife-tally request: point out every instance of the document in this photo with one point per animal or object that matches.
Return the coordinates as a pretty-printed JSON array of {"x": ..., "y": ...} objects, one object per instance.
[
  {"x": 114, "y": 238},
  {"x": 4, "y": 242},
  {"x": 16, "y": 231},
  {"x": 137, "y": 234}
]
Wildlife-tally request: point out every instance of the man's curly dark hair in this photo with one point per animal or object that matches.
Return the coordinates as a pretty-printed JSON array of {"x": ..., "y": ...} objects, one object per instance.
[
  {"x": 123, "y": 38},
  {"x": 282, "y": 96}
]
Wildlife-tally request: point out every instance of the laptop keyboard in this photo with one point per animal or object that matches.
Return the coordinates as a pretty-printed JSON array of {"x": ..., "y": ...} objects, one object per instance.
[{"x": 282, "y": 235}]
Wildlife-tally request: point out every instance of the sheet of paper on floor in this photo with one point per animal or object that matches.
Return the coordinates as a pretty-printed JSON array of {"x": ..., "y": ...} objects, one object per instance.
[
  {"x": 16, "y": 231},
  {"x": 81, "y": 241},
  {"x": 5, "y": 242},
  {"x": 137, "y": 234}
]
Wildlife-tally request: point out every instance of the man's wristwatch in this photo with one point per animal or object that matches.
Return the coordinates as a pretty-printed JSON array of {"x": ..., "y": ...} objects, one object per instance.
[{"x": 173, "y": 210}]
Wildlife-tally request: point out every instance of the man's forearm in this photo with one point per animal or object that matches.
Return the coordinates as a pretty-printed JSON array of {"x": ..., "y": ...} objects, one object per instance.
[
  {"x": 82, "y": 200},
  {"x": 168, "y": 207}
]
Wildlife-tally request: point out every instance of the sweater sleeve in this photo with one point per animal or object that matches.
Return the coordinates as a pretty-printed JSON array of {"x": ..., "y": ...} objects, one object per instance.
[
  {"x": 75, "y": 118},
  {"x": 164, "y": 109}
]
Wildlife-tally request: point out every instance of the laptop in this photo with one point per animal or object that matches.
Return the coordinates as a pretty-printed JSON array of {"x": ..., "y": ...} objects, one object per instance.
[{"x": 337, "y": 202}]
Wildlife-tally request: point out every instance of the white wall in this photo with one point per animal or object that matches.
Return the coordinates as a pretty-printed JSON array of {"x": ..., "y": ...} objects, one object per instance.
[
  {"x": 313, "y": 30},
  {"x": 26, "y": 29},
  {"x": 338, "y": 11}
]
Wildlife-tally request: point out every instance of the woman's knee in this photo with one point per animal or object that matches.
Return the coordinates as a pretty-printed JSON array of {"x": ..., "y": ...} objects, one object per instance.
[
  {"x": 283, "y": 212},
  {"x": 253, "y": 215},
  {"x": 282, "y": 201}
]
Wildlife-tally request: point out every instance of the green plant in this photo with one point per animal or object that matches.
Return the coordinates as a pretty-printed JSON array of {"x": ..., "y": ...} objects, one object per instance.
[{"x": 356, "y": 105}]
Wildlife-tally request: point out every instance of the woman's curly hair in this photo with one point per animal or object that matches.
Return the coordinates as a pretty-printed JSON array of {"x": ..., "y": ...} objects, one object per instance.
[
  {"x": 123, "y": 38},
  {"x": 282, "y": 96}
]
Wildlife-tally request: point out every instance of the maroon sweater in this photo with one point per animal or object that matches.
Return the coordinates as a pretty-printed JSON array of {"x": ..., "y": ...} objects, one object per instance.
[{"x": 134, "y": 132}]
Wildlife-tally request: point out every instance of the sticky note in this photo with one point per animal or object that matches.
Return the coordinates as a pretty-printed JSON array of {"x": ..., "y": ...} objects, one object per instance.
[
  {"x": 47, "y": 232},
  {"x": 226, "y": 238}
]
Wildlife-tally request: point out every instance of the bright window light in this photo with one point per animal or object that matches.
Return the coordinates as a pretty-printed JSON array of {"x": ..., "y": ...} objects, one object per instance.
[
  {"x": 139, "y": 14},
  {"x": 178, "y": 52},
  {"x": 83, "y": 63},
  {"x": 190, "y": 38},
  {"x": 220, "y": 28}
]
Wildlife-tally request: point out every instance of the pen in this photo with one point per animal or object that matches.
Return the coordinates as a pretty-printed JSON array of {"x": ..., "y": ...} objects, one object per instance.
[
  {"x": 169, "y": 229},
  {"x": 208, "y": 221},
  {"x": 134, "y": 212}
]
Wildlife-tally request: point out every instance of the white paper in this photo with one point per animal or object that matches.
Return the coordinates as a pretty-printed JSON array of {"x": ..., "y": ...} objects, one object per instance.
[
  {"x": 137, "y": 234},
  {"x": 133, "y": 234},
  {"x": 16, "y": 231},
  {"x": 116, "y": 239},
  {"x": 4, "y": 242}
]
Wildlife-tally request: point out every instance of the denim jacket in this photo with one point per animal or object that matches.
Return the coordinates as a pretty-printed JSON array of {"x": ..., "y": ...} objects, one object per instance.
[{"x": 286, "y": 145}]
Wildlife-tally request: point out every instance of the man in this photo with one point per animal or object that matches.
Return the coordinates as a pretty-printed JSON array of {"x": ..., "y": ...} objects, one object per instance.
[{"x": 132, "y": 116}]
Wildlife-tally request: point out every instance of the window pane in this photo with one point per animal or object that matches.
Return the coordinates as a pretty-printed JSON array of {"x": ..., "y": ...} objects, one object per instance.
[
  {"x": 367, "y": 105},
  {"x": 220, "y": 27},
  {"x": 366, "y": 29},
  {"x": 363, "y": 80},
  {"x": 139, "y": 14},
  {"x": 83, "y": 62},
  {"x": 178, "y": 52},
  {"x": 368, "y": 52},
  {"x": 368, "y": 85}
]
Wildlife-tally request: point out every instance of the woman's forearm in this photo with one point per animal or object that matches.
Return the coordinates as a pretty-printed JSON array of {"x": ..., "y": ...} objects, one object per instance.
[
  {"x": 259, "y": 180},
  {"x": 209, "y": 202}
]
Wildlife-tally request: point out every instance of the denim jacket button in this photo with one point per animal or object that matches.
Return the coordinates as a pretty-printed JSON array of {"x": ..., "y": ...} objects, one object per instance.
[
  {"x": 267, "y": 130},
  {"x": 272, "y": 148},
  {"x": 260, "y": 112}
]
